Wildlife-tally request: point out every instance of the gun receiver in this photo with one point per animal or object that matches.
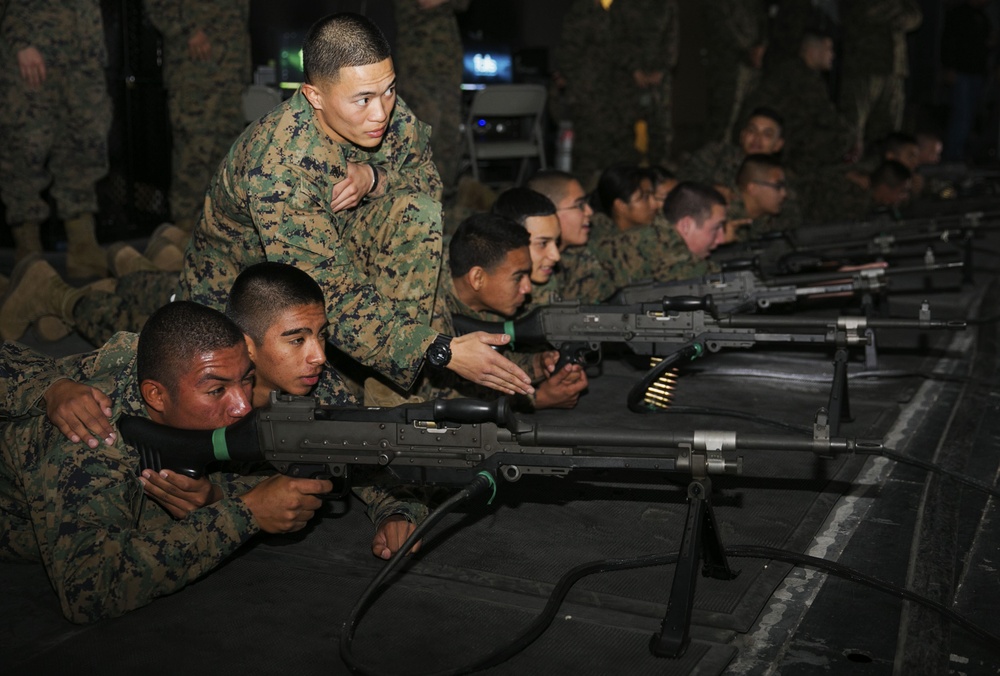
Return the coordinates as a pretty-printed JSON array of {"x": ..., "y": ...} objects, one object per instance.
[
  {"x": 665, "y": 327},
  {"x": 448, "y": 441},
  {"x": 742, "y": 291}
]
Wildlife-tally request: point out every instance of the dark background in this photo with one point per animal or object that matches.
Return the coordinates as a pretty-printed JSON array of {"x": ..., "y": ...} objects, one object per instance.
[{"x": 133, "y": 196}]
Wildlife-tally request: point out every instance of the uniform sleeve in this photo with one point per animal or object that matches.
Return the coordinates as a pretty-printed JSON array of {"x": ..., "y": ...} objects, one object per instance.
[
  {"x": 25, "y": 375},
  {"x": 296, "y": 228},
  {"x": 406, "y": 161},
  {"x": 385, "y": 496},
  {"x": 107, "y": 549}
]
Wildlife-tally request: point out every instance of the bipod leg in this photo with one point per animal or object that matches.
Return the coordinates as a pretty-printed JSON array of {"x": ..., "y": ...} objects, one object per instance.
[
  {"x": 700, "y": 540},
  {"x": 839, "y": 405},
  {"x": 967, "y": 252}
]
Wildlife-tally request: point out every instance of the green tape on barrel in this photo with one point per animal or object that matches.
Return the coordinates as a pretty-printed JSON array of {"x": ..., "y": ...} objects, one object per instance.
[
  {"x": 219, "y": 444},
  {"x": 508, "y": 328}
]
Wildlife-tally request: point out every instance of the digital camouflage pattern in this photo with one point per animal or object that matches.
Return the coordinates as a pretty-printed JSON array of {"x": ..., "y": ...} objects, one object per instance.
[
  {"x": 715, "y": 163},
  {"x": 647, "y": 36},
  {"x": 734, "y": 29},
  {"x": 55, "y": 136},
  {"x": 875, "y": 64},
  {"x": 815, "y": 133},
  {"x": 377, "y": 264},
  {"x": 585, "y": 59},
  {"x": 98, "y": 315},
  {"x": 583, "y": 277},
  {"x": 204, "y": 98},
  {"x": 82, "y": 512},
  {"x": 428, "y": 63}
]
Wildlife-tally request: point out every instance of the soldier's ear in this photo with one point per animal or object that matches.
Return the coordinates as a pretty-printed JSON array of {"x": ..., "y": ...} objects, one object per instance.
[
  {"x": 155, "y": 394},
  {"x": 251, "y": 348},
  {"x": 476, "y": 277},
  {"x": 313, "y": 96},
  {"x": 684, "y": 225}
]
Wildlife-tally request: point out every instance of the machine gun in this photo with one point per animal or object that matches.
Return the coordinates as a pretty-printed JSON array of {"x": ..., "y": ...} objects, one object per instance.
[
  {"x": 806, "y": 248},
  {"x": 455, "y": 440},
  {"x": 687, "y": 327},
  {"x": 743, "y": 291}
]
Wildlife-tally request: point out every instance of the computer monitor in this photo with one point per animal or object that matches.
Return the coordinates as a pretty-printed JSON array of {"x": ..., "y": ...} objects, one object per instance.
[
  {"x": 290, "y": 72},
  {"x": 484, "y": 64}
]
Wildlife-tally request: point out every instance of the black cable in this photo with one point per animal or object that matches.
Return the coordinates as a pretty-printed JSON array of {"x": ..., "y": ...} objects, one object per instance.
[
  {"x": 638, "y": 392},
  {"x": 839, "y": 570},
  {"x": 535, "y": 629}
]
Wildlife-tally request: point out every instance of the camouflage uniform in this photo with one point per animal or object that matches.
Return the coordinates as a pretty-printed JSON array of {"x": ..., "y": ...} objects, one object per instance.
[
  {"x": 673, "y": 259},
  {"x": 428, "y": 63},
  {"x": 875, "y": 65},
  {"x": 82, "y": 512},
  {"x": 377, "y": 264},
  {"x": 616, "y": 250},
  {"x": 815, "y": 133},
  {"x": 56, "y": 135},
  {"x": 647, "y": 34},
  {"x": 715, "y": 163},
  {"x": 592, "y": 97},
  {"x": 583, "y": 277},
  {"x": 204, "y": 97},
  {"x": 735, "y": 28},
  {"x": 98, "y": 315}
]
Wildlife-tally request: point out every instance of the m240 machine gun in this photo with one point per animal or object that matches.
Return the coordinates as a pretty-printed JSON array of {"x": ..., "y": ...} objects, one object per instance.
[
  {"x": 457, "y": 440},
  {"x": 677, "y": 328}
]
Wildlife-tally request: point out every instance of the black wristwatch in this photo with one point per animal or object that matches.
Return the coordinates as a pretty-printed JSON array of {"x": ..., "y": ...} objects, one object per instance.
[{"x": 439, "y": 352}]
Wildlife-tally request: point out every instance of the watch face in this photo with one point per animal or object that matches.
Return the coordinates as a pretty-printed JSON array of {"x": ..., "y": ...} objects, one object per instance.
[{"x": 438, "y": 354}]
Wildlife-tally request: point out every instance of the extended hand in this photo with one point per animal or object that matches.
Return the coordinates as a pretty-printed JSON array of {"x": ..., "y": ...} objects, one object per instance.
[
  {"x": 80, "y": 412},
  {"x": 348, "y": 193},
  {"x": 474, "y": 359},
  {"x": 281, "y": 504},
  {"x": 178, "y": 494},
  {"x": 32, "y": 65},
  {"x": 391, "y": 535}
]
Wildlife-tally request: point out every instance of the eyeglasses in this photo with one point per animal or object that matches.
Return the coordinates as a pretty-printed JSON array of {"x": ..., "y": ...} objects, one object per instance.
[
  {"x": 580, "y": 204},
  {"x": 779, "y": 186}
]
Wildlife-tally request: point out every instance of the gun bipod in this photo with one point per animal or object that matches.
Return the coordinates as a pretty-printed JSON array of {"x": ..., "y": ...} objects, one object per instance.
[{"x": 700, "y": 541}]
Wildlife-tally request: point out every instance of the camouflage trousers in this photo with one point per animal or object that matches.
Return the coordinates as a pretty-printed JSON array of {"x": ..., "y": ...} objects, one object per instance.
[
  {"x": 874, "y": 105},
  {"x": 99, "y": 314},
  {"x": 54, "y": 137},
  {"x": 206, "y": 115}
]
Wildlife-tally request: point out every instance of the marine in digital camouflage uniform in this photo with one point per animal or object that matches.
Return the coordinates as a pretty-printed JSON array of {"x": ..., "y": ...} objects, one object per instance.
[
  {"x": 377, "y": 263},
  {"x": 204, "y": 90},
  {"x": 54, "y": 135},
  {"x": 428, "y": 60},
  {"x": 581, "y": 276},
  {"x": 647, "y": 37},
  {"x": 106, "y": 547},
  {"x": 588, "y": 91},
  {"x": 734, "y": 52},
  {"x": 715, "y": 163},
  {"x": 875, "y": 64}
]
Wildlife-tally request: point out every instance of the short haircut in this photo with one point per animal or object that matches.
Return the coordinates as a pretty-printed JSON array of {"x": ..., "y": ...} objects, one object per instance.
[
  {"x": 617, "y": 182},
  {"x": 341, "y": 41},
  {"x": 553, "y": 183},
  {"x": 520, "y": 204},
  {"x": 769, "y": 113},
  {"x": 691, "y": 199},
  {"x": 264, "y": 290},
  {"x": 813, "y": 36},
  {"x": 660, "y": 174},
  {"x": 891, "y": 174},
  {"x": 484, "y": 240},
  {"x": 755, "y": 168},
  {"x": 177, "y": 333},
  {"x": 895, "y": 141}
]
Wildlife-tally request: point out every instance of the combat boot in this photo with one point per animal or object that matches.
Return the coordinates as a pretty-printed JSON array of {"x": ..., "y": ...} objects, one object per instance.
[
  {"x": 27, "y": 240},
  {"x": 35, "y": 290},
  {"x": 52, "y": 328},
  {"x": 123, "y": 258},
  {"x": 169, "y": 231},
  {"x": 84, "y": 256},
  {"x": 165, "y": 255}
]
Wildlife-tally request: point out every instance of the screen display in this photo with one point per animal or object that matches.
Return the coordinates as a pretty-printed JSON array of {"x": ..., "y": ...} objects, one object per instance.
[
  {"x": 290, "y": 73},
  {"x": 482, "y": 66}
]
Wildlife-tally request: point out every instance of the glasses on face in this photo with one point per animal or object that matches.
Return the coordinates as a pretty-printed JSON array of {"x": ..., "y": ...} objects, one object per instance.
[
  {"x": 779, "y": 185},
  {"x": 580, "y": 204}
]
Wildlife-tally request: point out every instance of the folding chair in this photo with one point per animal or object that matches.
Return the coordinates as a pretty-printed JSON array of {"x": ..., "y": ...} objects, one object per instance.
[{"x": 507, "y": 101}]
